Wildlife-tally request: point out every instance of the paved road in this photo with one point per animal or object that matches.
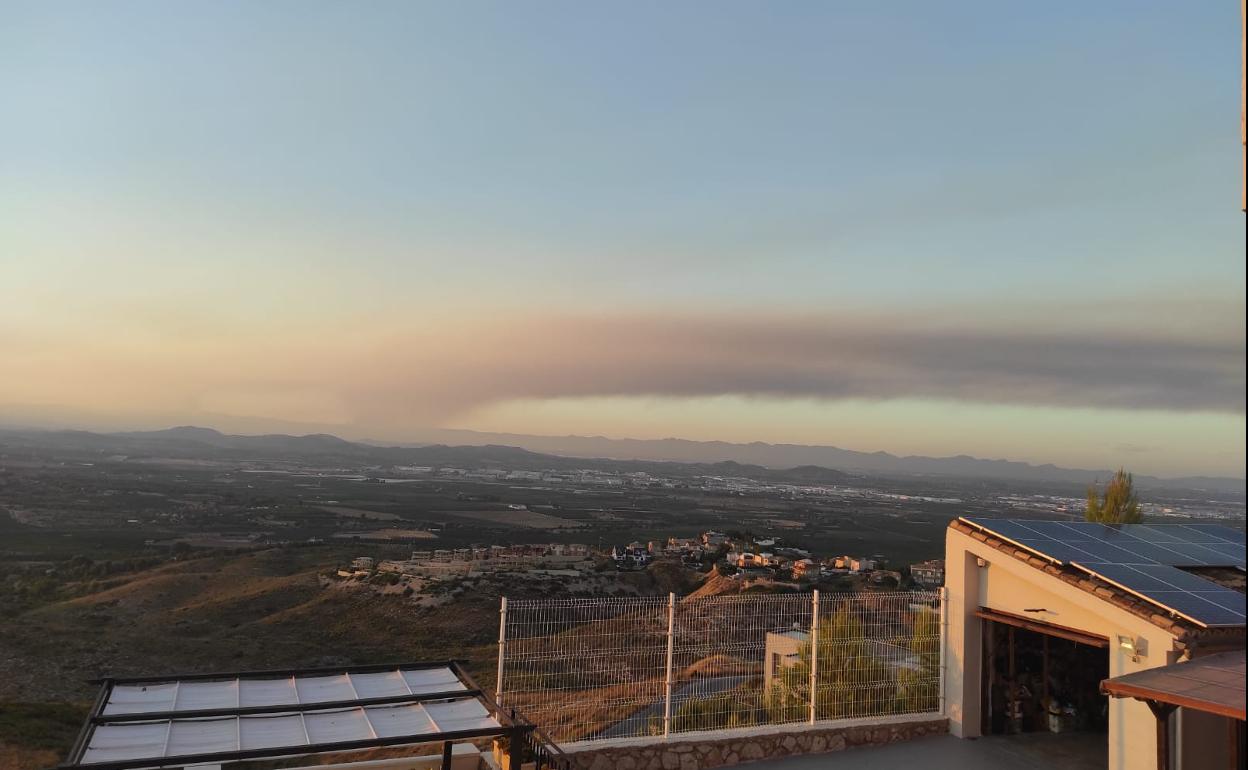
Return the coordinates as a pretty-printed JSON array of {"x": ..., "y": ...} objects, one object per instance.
[{"x": 638, "y": 723}]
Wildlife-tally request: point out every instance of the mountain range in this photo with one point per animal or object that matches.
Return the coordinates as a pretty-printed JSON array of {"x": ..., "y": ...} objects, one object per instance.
[
  {"x": 777, "y": 462},
  {"x": 792, "y": 455}
]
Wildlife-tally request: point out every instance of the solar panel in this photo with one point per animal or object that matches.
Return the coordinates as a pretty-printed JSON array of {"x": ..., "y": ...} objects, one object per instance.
[
  {"x": 1198, "y": 606},
  {"x": 1154, "y": 535},
  {"x": 1231, "y": 600},
  {"x": 1055, "y": 530},
  {"x": 1014, "y": 530},
  {"x": 1177, "y": 578},
  {"x": 1192, "y": 545},
  {"x": 1230, "y": 550},
  {"x": 1128, "y": 577},
  {"x": 1200, "y": 555},
  {"x": 1215, "y": 532},
  {"x": 1109, "y": 553},
  {"x": 1143, "y": 559},
  {"x": 1064, "y": 552}
]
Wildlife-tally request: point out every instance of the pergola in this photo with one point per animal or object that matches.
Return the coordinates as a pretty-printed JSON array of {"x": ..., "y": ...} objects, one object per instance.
[
  {"x": 210, "y": 719},
  {"x": 1213, "y": 684}
]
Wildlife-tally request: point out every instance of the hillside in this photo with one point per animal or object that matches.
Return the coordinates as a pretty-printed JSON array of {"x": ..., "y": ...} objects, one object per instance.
[
  {"x": 256, "y": 610},
  {"x": 263, "y": 609}
]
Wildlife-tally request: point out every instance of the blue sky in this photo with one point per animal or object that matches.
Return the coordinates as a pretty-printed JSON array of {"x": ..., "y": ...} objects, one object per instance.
[{"x": 288, "y": 185}]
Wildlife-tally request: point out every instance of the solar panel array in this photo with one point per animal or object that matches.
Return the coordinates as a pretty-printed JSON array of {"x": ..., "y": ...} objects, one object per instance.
[{"x": 1145, "y": 559}]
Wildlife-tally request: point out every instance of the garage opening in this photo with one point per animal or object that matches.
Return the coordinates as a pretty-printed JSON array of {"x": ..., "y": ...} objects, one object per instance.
[{"x": 1043, "y": 678}]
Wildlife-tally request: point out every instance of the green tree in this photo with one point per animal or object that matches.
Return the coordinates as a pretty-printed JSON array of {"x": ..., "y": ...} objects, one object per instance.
[
  {"x": 852, "y": 681},
  {"x": 1118, "y": 505},
  {"x": 918, "y": 687}
]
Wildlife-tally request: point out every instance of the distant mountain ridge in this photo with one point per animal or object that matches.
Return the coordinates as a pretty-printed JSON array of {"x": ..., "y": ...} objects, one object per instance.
[
  {"x": 793, "y": 463},
  {"x": 190, "y": 442},
  {"x": 793, "y": 456}
]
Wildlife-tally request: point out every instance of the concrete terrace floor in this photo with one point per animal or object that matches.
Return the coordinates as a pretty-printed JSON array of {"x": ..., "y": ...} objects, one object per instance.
[{"x": 1031, "y": 751}]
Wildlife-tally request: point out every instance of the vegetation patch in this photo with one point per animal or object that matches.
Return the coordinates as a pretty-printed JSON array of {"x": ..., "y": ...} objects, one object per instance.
[{"x": 49, "y": 726}]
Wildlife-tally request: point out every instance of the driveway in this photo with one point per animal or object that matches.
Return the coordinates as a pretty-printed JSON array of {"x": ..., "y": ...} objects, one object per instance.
[{"x": 639, "y": 723}]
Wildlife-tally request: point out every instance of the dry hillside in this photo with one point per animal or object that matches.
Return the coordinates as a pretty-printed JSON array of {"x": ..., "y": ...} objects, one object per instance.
[{"x": 263, "y": 609}]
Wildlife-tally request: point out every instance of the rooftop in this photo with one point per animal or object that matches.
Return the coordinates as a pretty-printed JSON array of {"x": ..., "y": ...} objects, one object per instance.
[
  {"x": 212, "y": 718},
  {"x": 1213, "y": 684},
  {"x": 1141, "y": 568}
]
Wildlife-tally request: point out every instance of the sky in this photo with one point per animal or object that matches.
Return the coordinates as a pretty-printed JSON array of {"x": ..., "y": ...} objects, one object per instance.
[{"x": 1011, "y": 230}]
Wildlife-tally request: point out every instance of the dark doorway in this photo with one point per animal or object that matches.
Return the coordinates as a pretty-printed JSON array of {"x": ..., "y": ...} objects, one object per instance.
[{"x": 1036, "y": 682}]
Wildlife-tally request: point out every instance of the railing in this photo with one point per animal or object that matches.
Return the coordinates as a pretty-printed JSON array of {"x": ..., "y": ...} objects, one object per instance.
[
  {"x": 597, "y": 669},
  {"x": 538, "y": 747}
]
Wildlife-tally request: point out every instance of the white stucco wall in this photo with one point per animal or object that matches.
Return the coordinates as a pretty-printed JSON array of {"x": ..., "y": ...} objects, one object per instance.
[{"x": 1010, "y": 585}]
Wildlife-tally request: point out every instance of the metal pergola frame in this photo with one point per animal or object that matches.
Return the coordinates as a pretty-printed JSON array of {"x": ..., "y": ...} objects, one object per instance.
[{"x": 516, "y": 730}]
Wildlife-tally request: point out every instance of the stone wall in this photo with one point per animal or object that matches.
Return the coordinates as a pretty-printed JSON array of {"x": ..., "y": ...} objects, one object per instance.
[{"x": 724, "y": 748}]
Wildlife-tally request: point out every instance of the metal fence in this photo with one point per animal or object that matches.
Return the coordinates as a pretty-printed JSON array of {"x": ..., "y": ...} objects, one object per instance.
[{"x": 596, "y": 669}]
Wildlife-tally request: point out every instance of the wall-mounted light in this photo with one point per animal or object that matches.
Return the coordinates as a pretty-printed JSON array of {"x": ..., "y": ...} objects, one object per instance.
[
  {"x": 981, "y": 561},
  {"x": 1136, "y": 646}
]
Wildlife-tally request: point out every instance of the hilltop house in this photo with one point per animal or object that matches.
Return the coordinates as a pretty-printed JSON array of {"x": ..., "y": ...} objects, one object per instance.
[
  {"x": 631, "y": 555},
  {"x": 928, "y": 574},
  {"x": 1047, "y": 617}
]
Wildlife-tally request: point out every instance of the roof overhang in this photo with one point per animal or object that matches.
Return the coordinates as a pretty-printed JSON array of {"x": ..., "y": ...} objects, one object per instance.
[{"x": 1213, "y": 684}]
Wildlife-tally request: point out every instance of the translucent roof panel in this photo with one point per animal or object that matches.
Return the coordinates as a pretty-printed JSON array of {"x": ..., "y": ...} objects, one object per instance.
[
  {"x": 266, "y": 732},
  {"x": 323, "y": 689},
  {"x": 144, "y": 723},
  {"x": 141, "y": 699},
  {"x": 193, "y": 696},
  {"x": 427, "y": 680},
  {"x": 407, "y": 719},
  {"x": 381, "y": 684},
  {"x": 337, "y": 726},
  {"x": 183, "y": 737},
  {"x": 246, "y": 692},
  {"x": 114, "y": 742},
  {"x": 202, "y": 736},
  {"x": 267, "y": 692},
  {"x": 459, "y": 715}
]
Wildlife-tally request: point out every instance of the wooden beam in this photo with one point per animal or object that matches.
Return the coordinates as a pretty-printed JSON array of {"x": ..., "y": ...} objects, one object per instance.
[
  {"x": 1238, "y": 757},
  {"x": 1162, "y": 712},
  {"x": 1044, "y": 690},
  {"x": 1012, "y": 667},
  {"x": 1039, "y": 626}
]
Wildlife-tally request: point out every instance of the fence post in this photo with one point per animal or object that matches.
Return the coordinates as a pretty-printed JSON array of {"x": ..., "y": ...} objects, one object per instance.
[
  {"x": 502, "y": 649},
  {"x": 814, "y": 655},
  {"x": 943, "y": 632},
  {"x": 671, "y": 649}
]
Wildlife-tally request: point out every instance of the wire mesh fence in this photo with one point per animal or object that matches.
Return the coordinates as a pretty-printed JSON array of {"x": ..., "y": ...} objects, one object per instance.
[{"x": 596, "y": 669}]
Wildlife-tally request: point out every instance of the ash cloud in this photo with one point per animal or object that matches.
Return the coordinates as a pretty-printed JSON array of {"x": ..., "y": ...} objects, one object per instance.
[{"x": 822, "y": 358}]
